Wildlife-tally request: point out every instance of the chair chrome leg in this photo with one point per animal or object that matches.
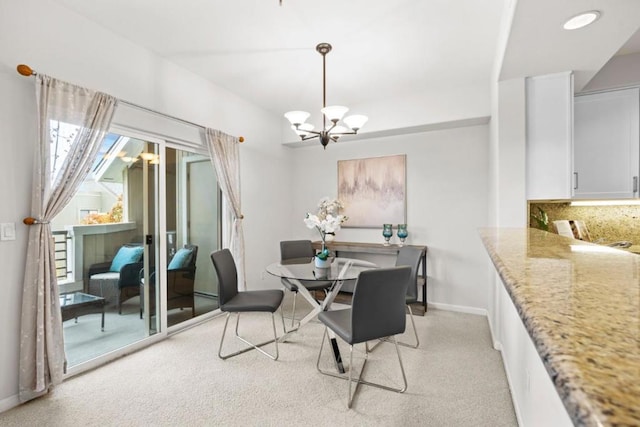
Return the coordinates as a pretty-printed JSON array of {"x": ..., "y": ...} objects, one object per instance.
[
  {"x": 415, "y": 331},
  {"x": 251, "y": 345},
  {"x": 404, "y": 377},
  {"x": 224, "y": 331},
  {"x": 329, "y": 373},
  {"x": 380, "y": 341},
  {"x": 360, "y": 380},
  {"x": 293, "y": 314},
  {"x": 293, "y": 310},
  {"x": 284, "y": 328}
]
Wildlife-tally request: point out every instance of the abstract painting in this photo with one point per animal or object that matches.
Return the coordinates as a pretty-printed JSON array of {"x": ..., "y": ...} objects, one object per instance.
[{"x": 373, "y": 191}]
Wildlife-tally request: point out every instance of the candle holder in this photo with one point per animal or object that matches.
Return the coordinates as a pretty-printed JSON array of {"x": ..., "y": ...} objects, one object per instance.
[
  {"x": 402, "y": 233},
  {"x": 387, "y": 232}
]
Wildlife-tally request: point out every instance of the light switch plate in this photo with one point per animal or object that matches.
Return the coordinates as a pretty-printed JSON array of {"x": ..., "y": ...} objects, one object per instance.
[{"x": 8, "y": 231}]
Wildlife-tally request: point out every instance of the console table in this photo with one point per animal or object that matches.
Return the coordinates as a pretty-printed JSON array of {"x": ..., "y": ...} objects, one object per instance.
[{"x": 379, "y": 248}]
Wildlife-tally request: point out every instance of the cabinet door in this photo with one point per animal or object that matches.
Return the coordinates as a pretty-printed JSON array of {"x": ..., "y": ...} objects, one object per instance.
[
  {"x": 606, "y": 154},
  {"x": 549, "y": 136}
]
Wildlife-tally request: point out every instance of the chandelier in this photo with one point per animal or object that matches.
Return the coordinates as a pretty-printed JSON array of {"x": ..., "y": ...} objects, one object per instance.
[{"x": 334, "y": 114}]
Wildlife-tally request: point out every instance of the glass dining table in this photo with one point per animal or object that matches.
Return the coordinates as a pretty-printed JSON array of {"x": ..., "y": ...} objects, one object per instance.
[{"x": 299, "y": 270}]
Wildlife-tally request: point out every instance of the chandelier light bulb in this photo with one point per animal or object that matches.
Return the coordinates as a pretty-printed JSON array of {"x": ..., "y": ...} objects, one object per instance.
[
  {"x": 356, "y": 121},
  {"x": 334, "y": 112},
  {"x": 297, "y": 117}
]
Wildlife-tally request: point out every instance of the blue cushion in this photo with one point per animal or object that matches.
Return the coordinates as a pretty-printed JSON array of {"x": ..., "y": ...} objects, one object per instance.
[
  {"x": 181, "y": 259},
  {"x": 126, "y": 255}
]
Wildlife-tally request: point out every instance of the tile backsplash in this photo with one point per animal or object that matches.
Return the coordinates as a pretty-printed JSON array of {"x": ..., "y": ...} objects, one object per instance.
[{"x": 605, "y": 223}]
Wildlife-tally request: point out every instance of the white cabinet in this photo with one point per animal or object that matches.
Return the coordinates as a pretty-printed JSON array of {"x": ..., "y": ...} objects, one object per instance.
[
  {"x": 549, "y": 102},
  {"x": 535, "y": 398},
  {"x": 607, "y": 145}
]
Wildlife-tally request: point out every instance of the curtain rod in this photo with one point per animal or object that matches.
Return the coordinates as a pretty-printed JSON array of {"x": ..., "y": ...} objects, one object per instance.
[{"x": 27, "y": 71}]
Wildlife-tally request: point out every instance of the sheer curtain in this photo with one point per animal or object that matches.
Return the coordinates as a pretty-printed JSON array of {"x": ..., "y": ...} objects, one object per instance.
[
  {"x": 72, "y": 121},
  {"x": 225, "y": 156}
]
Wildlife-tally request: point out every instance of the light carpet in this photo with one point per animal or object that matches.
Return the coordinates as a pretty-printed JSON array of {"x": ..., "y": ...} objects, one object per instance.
[{"x": 455, "y": 378}]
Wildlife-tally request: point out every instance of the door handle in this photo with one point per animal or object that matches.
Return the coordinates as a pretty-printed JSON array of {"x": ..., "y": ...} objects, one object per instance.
[
  {"x": 575, "y": 180},
  {"x": 635, "y": 184}
]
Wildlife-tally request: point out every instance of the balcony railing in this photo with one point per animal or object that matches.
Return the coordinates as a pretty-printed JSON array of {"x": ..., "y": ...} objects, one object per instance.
[{"x": 61, "y": 243}]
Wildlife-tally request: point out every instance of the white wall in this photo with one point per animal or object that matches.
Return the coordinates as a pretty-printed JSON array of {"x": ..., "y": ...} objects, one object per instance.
[
  {"x": 15, "y": 193},
  {"x": 511, "y": 209},
  {"x": 57, "y": 42},
  {"x": 508, "y": 206},
  {"x": 447, "y": 201}
]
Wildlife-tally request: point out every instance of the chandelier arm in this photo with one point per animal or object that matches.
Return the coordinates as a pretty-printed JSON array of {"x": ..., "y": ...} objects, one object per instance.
[
  {"x": 313, "y": 132},
  {"x": 305, "y": 138},
  {"x": 353, "y": 132}
]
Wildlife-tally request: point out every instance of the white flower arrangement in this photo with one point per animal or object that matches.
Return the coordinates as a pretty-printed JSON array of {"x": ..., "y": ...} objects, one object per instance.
[{"x": 326, "y": 221}]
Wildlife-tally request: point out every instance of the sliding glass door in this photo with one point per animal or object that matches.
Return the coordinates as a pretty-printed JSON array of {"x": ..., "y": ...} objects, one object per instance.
[
  {"x": 133, "y": 265},
  {"x": 193, "y": 228},
  {"x": 110, "y": 228}
]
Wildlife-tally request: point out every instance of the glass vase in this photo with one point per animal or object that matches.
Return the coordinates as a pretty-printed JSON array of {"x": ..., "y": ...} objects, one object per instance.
[
  {"x": 322, "y": 263},
  {"x": 387, "y": 232},
  {"x": 402, "y": 233}
]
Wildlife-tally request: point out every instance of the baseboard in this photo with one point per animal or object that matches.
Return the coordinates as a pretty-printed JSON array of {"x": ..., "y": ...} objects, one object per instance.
[
  {"x": 9, "y": 403},
  {"x": 498, "y": 346},
  {"x": 458, "y": 308}
]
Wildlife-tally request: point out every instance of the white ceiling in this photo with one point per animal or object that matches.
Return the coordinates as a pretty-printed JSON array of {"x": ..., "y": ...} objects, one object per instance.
[
  {"x": 265, "y": 52},
  {"x": 539, "y": 45}
]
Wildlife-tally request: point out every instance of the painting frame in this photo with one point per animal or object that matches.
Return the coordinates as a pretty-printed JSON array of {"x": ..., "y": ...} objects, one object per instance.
[{"x": 373, "y": 191}]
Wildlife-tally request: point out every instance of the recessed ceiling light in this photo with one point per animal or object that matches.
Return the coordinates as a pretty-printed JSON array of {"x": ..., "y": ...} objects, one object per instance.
[{"x": 581, "y": 20}]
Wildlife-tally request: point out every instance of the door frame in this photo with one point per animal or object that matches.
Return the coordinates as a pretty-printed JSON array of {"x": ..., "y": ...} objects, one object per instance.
[
  {"x": 160, "y": 279},
  {"x": 163, "y": 142}
]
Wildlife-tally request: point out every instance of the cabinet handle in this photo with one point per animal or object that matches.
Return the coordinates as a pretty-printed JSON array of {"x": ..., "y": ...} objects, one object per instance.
[
  {"x": 575, "y": 180},
  {"x": 635, "y": 184}
]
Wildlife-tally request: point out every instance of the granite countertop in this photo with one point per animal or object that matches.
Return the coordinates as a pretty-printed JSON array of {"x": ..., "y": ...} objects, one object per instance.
[{"x": 580, "y": 303}]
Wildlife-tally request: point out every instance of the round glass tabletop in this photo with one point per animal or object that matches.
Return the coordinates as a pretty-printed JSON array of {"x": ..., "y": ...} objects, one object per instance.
[{"x": 305, "y": 269}]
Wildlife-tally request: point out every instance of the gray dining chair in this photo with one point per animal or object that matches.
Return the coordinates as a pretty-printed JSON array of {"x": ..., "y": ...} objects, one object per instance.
[
  {"x": 302, "y": 250},
  {"x": 232, "y": 300},
  {"x": 377, "y": 311},
  {"x": 411, "y": 256}
]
